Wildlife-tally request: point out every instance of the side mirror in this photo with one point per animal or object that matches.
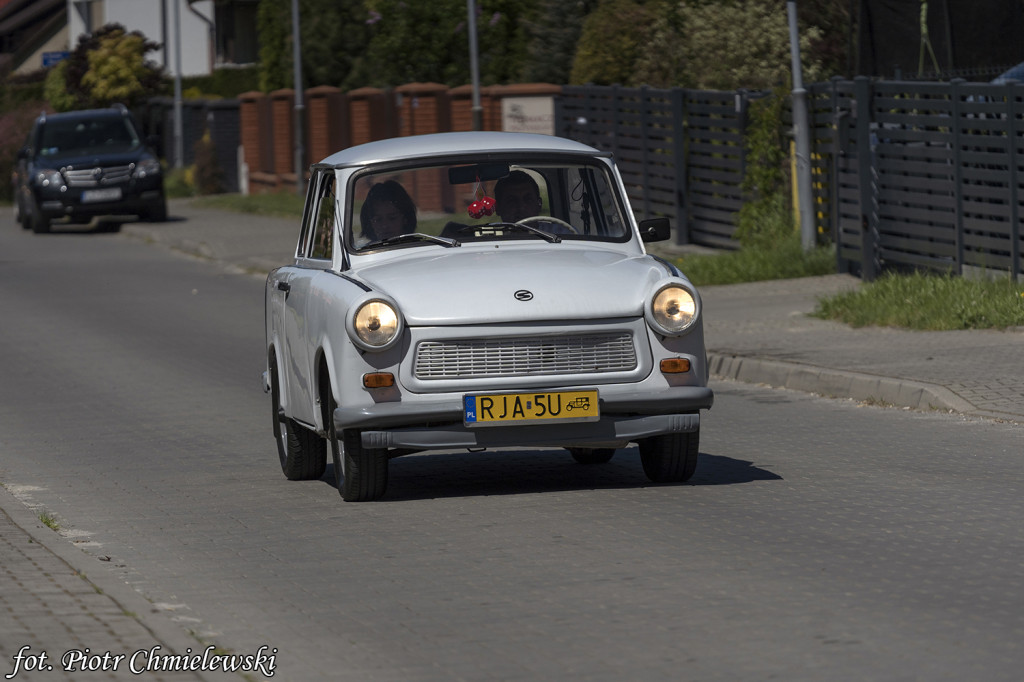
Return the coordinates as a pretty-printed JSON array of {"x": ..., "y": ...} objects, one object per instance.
[{"x": 655, "y": 230}]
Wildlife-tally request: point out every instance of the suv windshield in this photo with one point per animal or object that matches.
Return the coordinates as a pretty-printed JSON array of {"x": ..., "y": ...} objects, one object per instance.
[
  {"x": 519, "y": 200},
  {"x": 86, "y": 136}
]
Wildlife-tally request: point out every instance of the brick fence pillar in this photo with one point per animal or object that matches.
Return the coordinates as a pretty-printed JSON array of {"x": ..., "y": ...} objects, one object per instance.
[
  {"x": 371, "y": 115},
  {"x": 329, "y": 129},
  {"x": 282, "y": 112},
  {"x": 256, "y": 136},
  {"x": 424, "y": 108},
  {"x": 461, "y": 99}
]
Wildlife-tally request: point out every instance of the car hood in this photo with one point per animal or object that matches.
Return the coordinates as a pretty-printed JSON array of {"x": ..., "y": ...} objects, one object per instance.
[
  {"x": 90, "y": 160},
  {"x": 514, "y": 284}
]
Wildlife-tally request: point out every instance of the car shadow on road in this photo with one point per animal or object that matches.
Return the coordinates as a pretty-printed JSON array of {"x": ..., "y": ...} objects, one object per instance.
[{"x": 518, "y": 472}]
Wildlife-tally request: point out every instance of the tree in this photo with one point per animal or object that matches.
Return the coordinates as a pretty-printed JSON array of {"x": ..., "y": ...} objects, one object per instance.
[
  {"x": 741, "y": 44},
  {"x": 105, "y": 68},
  {"x": 611, "y": 43},
  {"x": 553, "y": 35}
]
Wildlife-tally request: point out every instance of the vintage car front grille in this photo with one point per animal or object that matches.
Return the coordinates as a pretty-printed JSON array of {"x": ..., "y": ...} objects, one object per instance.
[
  {"x": 525, "y": 356},
  {"x": 97, "y": 177}
]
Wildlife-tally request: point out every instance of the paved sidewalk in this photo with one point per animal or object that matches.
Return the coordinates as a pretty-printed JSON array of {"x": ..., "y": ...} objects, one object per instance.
[{"x": 61, "y": 623}]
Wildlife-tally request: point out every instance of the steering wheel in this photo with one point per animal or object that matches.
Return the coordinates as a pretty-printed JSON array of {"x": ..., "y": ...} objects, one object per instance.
[{"x": 548, "y": 219}]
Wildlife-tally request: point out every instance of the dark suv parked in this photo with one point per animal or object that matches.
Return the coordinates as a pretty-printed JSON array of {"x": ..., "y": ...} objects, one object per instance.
[{"x": 82, "y": 164}]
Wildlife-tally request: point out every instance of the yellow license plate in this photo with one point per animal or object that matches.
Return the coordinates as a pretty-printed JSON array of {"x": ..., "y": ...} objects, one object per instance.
[{"x": 493, "y": 409}]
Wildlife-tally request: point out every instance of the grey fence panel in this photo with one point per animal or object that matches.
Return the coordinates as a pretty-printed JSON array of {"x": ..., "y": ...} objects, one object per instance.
[
  {"x": 680, "y": 152},
  {"x": 942, "y": 190}
]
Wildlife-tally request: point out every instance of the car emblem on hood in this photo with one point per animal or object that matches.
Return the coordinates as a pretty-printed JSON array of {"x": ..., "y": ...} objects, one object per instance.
[{"x": 523, "y": 295}]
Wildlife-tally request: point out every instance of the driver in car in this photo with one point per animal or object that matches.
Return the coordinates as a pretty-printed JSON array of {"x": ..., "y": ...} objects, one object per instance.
[{"x": 516, "y": 196}]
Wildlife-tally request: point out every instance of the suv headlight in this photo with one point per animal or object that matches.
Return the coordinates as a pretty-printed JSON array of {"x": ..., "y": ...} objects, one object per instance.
[
  {"x": 375, "y": 324},
  {"x": 673, "y": 309},
  {"x": 147, "y": 167},
  {"x": 49, "y": 177}
]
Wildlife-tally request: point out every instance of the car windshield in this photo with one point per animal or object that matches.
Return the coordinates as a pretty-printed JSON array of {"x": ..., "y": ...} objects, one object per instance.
[
  {"x": 459, "y": 203},
  {"x": 85, "y": 136}
]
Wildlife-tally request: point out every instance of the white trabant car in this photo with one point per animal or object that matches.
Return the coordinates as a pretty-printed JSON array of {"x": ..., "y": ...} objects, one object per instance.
[{"x": 479, "y": 290}]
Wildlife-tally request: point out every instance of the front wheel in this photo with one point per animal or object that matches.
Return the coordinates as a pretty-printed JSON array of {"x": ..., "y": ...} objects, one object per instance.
[
  {"x": 40, "y": 223},
  {"x": 361, "y": 474},
  {"x": 158, "y": 214},
  {"x": 671, "y": 458},
  {"x": 303, "y": 454}
]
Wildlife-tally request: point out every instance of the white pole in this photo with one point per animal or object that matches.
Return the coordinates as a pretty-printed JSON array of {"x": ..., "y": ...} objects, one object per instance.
[{"x": 802, "y": 135}]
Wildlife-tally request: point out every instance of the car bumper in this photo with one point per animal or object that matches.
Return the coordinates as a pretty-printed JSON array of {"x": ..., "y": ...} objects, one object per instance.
[
  {"x": 130, "y": 204},
  {"x": 432, "y": 424}
]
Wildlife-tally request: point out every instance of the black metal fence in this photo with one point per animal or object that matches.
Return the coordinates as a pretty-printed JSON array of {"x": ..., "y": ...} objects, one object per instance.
[
  {"x": 904, "y": 174},
  {"x": 920, "y": 175},
  {"x": 218, "y": 117},
  {"x": 680, "y": 152}
]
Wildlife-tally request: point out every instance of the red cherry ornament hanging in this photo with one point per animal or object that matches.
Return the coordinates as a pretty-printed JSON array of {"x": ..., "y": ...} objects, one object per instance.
[{"x": 488, "y": 205}]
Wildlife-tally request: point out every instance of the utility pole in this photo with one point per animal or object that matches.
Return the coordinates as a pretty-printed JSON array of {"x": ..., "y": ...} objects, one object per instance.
[
  {"x": 802, "y": 135},
  {"x": 474, "y": 66},
  {"x": 300, "y": 108},
  {"x": 179, "y": 135}
]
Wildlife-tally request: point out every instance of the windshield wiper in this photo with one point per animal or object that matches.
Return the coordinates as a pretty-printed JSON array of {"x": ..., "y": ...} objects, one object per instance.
[
  {"x": 415, "y": 237},
  {"x": 494, "y": 228}
]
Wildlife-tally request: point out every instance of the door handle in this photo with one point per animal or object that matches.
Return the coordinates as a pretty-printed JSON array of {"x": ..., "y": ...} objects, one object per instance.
[{"x": 284, "y": 286}]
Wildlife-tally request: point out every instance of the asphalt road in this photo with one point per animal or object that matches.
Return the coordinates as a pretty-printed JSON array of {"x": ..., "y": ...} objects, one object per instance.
[{"x": 818, "y": 539}]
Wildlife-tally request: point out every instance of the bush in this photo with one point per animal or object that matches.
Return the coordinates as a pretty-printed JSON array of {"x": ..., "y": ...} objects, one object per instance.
[
  {"x": 14, "y": 128},
  {"x": 766, "y": 217},
  {"x": 611, "y": 43},
  {"x": 105, "y": 68},
  {"x": 208, "y": 177}
]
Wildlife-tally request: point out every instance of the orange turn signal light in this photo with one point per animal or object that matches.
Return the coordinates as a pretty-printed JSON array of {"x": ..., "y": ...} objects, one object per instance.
[
  {"x": 675, "y": 366},
  {"x": 378, "y": 380}
]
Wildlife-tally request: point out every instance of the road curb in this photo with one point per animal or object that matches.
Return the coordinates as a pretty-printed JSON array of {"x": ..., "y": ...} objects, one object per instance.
[
  {"x": 916, "y": 395},
  {"x": 169, "y": 635}
]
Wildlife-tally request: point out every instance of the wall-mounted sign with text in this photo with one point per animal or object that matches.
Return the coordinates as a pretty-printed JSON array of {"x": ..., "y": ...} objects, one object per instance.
[{"x": 528, "y": 115}]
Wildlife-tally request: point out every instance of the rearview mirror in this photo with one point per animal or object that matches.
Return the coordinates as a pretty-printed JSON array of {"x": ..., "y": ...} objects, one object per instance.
[
  {"x": 464, "y": 175},
  {"x": 655, "y": 230}
]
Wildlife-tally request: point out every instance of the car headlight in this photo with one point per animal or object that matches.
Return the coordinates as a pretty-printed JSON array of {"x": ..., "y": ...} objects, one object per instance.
[
  {"x": 673, "y": 309},
  {"x": 375, "y": 325},
  {"x": 49, "y": 177},
  {"x": 147, "y": 167}
]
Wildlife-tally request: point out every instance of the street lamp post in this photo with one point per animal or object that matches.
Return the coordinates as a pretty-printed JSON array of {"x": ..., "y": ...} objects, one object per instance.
[
  {"x": 474, "y": 67},
  {"x": 179, "y": 134},
  {"x": 802, "y": 133},
  {"x": 300, "y": 180}
]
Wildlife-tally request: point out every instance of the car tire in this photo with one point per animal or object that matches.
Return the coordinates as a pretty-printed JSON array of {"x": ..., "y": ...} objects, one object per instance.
[
  {"x": 302, "y": 452},
  {"x": 363, "y": 471},
  {"x": 158, "y": 214},
  {"x": 592, "y": 455},
  {"x": 361, "y": 474},
  {"x": 40, "y": 223},
  {"x": 671, "y": 458}
]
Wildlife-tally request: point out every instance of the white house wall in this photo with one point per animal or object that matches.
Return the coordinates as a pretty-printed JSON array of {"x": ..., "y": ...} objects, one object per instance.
[{"x": 144, "y": 16}]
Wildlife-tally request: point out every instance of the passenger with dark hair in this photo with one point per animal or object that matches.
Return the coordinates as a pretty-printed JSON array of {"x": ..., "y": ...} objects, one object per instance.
[{"x": 387, "y": 212}]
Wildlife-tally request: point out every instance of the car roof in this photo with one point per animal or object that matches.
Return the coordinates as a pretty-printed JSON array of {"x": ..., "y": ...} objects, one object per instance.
[
  {"x": 448, "y": 144},
  {"x": 110, "y": 112}
]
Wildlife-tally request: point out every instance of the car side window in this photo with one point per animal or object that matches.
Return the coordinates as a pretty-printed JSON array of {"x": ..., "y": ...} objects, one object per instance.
[{"x": 323, "y": 222}]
